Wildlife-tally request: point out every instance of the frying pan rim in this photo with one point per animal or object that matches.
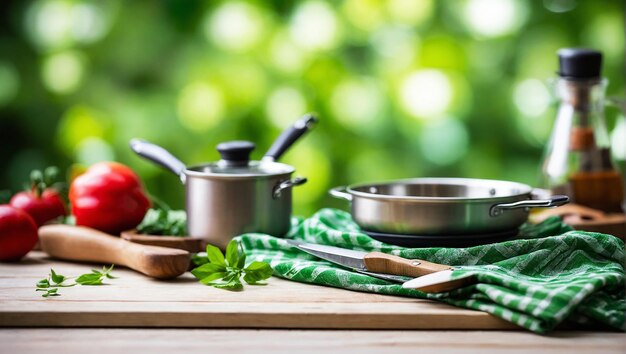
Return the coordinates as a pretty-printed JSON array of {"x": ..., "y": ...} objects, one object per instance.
[{"x": 525, "y": 189}]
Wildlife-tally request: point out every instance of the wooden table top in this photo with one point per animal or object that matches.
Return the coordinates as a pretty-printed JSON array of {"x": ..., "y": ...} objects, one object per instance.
[{"x": 294, "y": 316}]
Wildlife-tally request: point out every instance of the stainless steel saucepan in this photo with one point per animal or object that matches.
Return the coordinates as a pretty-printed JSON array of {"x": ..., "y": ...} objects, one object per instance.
[
  {"x": 442, "y": 206},
  {"x": 235, "y": 195}
]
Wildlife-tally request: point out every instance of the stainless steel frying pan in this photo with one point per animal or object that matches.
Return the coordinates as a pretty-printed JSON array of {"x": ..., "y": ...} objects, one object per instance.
[{"x": 442, "y": 206}]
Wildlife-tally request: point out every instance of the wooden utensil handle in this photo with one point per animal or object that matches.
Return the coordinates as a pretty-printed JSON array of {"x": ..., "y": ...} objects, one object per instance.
[
  {"x": 79, "y": 243},
  {"x": 385, "y": 263}
]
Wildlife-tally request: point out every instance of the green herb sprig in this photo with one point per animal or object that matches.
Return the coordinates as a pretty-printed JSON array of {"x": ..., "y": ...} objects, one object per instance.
[
  {"x": 164, "y": 222},
  {"x": 96, "y": 276},
  {"x": 50, "y": 285},
  {"x": 224, "y": 272}
]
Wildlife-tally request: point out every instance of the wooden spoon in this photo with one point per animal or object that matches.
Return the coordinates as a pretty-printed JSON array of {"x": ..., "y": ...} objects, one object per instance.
[{"x": 78, "y": 243}]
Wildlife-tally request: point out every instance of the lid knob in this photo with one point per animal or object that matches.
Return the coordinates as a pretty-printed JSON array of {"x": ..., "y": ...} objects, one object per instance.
[
  {"x": 235, "y": 153},
  {"x": 578, "y": 63}
]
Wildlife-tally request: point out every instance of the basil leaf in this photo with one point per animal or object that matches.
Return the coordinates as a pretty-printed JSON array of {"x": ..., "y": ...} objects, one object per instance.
[
  {"x": 242, "y": 257},
  {"x": 164, "y": 222},
  {"x": 90, "y": 279},
  {"x": 199, "y": 260},
  {"x": 232, "y": 253},
  {"x": 43, "y": 283},
  {"x": 210, "y": 278},
  {"x": 259, "y": 266},
  {"x": 56, "y": 278},
  {"x": 253, "y": 279},
  {"x": 207, "y": 269},
  {"x": 49, "y": 292},
  {"x": 214, "y": 255},
  {"x": 234, "y": 285},
  {"x": 256, "y": 272},
  {"x": 230, "y": 277}
]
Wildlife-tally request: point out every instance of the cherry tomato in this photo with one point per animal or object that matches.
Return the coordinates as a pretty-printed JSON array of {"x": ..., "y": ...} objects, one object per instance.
[
  {"x": 18, "y": 233},
  {"x": 42, "y": 208}
]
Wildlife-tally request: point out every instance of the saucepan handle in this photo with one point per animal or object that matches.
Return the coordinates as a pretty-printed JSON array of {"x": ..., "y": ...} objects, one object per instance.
[
  {"x": 554, "y": 201},
  {"x": 159, "y": 155},
  {"x": 289, "y": 137},
  {"x": 290, "y": 183},
  {"x": 340, "y": 192}
]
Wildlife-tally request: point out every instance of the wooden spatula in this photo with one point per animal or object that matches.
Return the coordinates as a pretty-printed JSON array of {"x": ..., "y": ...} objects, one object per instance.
[{"x": 77, "y": 243}]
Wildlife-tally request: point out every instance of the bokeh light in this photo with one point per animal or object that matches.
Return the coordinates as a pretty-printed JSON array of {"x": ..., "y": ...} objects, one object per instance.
[
  {"x": 9, "y": 83},
  {"x": 57, "y": 24},
  {"x": 314, "y": 26},
  {"x": 283, "y": 105},
  {"x": 312, "y": 163},
  {"x": 80, "y": 123},
  {"x": 200, "y": 106},
  {"x": 444, "y": 141},
  {"x": 92, "y": 150},
  {"x": 493, "y": 18},
  {"x": 426, "y": 93},
  {"x": 63, "y": 72},
  {"x": 285, "y": 54},
  {"x": 397, "y": 46},
  {"x": 236, "y": 26},
  {"x": 363, "y": 14},
  {"x": 357, "y": 102},
  {"x": 532, "y": 98},
  {"x": 560, "y": 6},
  {"x": 410, "y": 12}
]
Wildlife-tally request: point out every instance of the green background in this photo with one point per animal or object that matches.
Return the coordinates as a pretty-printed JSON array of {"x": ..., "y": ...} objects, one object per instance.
[{"x": 403, "y": 88}]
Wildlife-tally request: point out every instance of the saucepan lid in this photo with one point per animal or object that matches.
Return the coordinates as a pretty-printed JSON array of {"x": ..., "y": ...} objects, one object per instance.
[{"x": 236, "y": 161}]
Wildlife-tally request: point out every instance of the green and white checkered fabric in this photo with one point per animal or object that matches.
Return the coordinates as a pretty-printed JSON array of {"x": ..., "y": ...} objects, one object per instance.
[{"x": 546, "y": 276}]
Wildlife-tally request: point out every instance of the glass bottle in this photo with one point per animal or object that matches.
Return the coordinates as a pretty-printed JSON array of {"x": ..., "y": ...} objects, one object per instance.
[{"x": 578, "y": 157}]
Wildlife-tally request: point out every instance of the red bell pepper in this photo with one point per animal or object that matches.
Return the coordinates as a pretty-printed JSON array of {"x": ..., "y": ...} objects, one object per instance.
[{"x": 108, "y": 197}]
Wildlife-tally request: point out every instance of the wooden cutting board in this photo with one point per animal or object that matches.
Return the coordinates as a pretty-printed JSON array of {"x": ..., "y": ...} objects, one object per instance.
[{"x": 133, "y": 300}]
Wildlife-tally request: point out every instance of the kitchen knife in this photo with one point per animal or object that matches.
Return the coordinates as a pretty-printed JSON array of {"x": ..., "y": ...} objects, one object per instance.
[
  {"x": 439, "y": 282},
  {"x": 377, "y": 264}
]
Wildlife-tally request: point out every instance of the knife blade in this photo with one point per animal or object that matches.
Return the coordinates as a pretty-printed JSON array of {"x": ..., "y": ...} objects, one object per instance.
[
  {"x": 377, "y": 264},
  {"x": 439, "y": 282}
]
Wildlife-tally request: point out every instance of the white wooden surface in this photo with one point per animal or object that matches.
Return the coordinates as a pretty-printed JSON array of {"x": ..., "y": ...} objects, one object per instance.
[
  {"x": 157, "y": 341},
  {"x": 134, "y": 300}
]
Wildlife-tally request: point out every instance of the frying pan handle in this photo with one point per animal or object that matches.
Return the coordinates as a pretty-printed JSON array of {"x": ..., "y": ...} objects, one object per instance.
[
  {"x": 158, "y": 155},
  {"x": 554, "y": 201},
  {"x": 340, "y": 192},
  {"x": 289, "y": 136}
]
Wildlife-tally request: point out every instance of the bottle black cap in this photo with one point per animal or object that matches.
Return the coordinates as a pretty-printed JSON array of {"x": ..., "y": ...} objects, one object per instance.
[{"x": 578, "y": 63}]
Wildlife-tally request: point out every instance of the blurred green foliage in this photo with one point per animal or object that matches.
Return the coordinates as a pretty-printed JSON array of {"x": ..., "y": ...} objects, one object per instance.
[{"x": 403, "y": 88}]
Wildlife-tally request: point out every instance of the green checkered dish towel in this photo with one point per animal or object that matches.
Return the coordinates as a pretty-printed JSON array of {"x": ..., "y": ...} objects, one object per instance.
[{"x": 547, "y": 275}]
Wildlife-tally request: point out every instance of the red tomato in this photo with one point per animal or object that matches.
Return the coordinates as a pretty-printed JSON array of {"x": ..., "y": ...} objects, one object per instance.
[
  {"x": 44, "y": 208},
  {"x": 18, "y": 233},
  {"x": 108, "y": 197}
]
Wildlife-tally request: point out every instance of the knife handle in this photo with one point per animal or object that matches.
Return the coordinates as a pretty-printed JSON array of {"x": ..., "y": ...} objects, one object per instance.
[{"x": 385, "y": 263}]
